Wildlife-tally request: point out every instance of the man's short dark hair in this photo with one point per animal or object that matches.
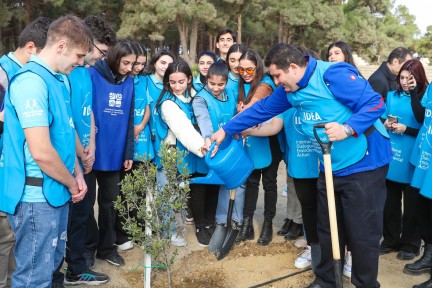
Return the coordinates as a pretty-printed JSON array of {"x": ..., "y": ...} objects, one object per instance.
[
  {"x": 399, "y": 53},
  {"x": 282, "y": 55},
  {"x": 101, "y": 30},
  {"x": 226, "y": 31},
  {"x": 35, "y": 32}
]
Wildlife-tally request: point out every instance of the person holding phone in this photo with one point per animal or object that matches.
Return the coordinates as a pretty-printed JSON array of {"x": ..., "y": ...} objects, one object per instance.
[{"x": 404, "y": 117}]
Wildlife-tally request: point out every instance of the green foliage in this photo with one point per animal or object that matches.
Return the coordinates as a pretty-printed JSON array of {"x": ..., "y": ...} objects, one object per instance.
[{"x": 145, "y": 203}]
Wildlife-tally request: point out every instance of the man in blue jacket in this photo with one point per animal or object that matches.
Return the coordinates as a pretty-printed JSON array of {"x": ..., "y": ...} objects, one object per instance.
[{"x": 334, "y": 93}]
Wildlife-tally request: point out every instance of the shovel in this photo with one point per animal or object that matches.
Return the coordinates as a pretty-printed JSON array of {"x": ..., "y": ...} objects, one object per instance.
[
  {"x": 224, "y": 237},
  {"x": 337, "y": 263}
]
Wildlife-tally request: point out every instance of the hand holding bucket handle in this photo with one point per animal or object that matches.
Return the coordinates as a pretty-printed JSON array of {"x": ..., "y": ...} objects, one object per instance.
[{"x": 326, "y": 146}]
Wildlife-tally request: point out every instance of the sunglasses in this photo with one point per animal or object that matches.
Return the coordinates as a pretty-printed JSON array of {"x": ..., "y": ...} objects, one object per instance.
[
  {"x": 102, "y": 52},
  {"x": 249, "y": 71}
]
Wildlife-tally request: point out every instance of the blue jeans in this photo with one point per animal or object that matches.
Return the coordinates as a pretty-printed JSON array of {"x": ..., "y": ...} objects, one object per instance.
[
  {"x": 40, "y": 234},
  {"x": 223, "y": 202},
  {"x": 161, "y": 182}
]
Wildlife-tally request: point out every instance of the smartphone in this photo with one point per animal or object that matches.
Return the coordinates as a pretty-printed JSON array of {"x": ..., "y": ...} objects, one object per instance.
[{"x": 392, "y": 119}]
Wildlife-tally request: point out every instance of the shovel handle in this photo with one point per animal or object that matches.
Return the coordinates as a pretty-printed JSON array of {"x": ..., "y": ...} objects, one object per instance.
[{"x": 325, "y": 146}]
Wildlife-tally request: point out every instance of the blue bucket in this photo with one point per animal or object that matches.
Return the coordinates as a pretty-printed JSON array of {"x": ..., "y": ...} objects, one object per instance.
[{"x": 231, "y": 166}]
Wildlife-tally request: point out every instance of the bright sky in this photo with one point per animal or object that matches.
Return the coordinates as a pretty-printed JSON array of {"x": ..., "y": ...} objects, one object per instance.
[{"x": 421, "y": 9}]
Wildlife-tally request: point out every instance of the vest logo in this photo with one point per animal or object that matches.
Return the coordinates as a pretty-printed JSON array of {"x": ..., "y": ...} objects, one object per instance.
[
  {"x": 31, "y": 105},
  {"x": 139, "y": 112},
  {"x": 115, "y": 99},
  {"x": 71, "y": 123},
  {"x": 314, "y": 116},
  {"x": 428, "y": 113},
  {"x": 87, "y": 110}
]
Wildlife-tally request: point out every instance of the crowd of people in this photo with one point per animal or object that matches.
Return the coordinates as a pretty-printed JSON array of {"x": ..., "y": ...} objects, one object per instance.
[{"x": 80, "y": 109}]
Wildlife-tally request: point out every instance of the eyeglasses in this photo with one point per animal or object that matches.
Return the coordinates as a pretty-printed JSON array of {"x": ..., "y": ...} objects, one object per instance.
[
  {"x": 102, "y": 52},
  {"x": 249, "y": 70}
]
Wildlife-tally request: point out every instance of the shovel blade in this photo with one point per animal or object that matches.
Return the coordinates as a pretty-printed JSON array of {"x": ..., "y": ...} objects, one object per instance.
[
  {"x": 217, "y": 238},
  {"x": 227, "y": 244}
]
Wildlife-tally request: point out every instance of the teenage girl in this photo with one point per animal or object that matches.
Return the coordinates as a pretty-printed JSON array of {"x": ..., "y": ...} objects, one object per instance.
[
  {"x": 233, "y": 57},
  {"x": 113, "y": 108},
  {"x": 264, "y": 152},
  {"x": 400, "y": 231},
  {"x": 205, "y": 59},
  {"x": 175, "y": 125},
  {"x": 156, "y": 71},
  {"x": 214, "y": 106}
]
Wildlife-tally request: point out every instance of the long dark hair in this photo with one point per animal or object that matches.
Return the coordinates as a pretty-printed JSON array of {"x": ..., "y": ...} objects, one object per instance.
[
  {"x": 259, "y": 74},
  {"x": 415, "y": 67},
  {"x": 346, "y": 51},
  {"x": 179, "y": 66},
  {"x": 150, "y": 69},
  {"x": 123, "y": 47}
]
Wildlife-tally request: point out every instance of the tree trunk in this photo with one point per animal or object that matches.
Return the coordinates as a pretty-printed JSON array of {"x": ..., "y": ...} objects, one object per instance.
[
  {"x": 280, "y": 29},
  {"x": 27, "y": 9},
  {"x": 239, "y": 28},
  {"x": 183, "y": 31},
  {"x": 1, "y": 42},
  {"x": 211, "y": 43},
  {"x": 193, "y": 40}
]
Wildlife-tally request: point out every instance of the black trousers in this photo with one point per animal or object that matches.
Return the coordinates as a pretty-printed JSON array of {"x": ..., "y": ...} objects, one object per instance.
[
  {"x": 424, "y": 217},
  {"x": 360, "y": 201},
  {"x": 401, "y": 228},
  {"x": 203, "y": 202},
  {"x": 306, "y": 190},
  {"x": 101, "y": 236},
  {"x": 269, "y": 175}
]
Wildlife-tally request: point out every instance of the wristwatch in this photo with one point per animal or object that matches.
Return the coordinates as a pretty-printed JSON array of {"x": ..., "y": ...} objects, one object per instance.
[{"x": 348, "y": 130}]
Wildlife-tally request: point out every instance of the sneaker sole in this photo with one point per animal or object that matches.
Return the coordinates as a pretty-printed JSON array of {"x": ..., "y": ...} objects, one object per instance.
[
  {"x": 88, "y": 283},
  {"x": 114, "y": 263},
  {"x": 417, "y": 272},
  {"x": 346, "y": 273},
  {"x": 302, "y": 265}
]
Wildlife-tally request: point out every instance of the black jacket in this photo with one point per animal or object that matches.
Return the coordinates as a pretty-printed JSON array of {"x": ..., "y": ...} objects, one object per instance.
[{"x": 383, "y": 80}]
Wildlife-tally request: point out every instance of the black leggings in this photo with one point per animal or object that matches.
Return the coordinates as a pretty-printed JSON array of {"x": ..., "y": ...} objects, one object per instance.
[{"x": 306, "y": 190}]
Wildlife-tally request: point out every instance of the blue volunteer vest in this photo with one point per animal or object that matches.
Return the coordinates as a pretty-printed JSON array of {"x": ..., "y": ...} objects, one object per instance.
[
  {"x": 302, "y": 151},
  {"x": 62, "y": 136},
  {"x": 233, "y": 84},
  {"x": 111, "y": 109},
  {"x": 258, "y": 148},
  {"x": 399, "y": 105},
  {"x": 154, "y": 89},
  {"x": 316, "y": 104},
  {"x": 196, "y": 83},
  {"x": 143, "y": 148},
  {"x": 220, "y": 111},
  {"x": 81, "y": 102},
  {"x": 10, "y": 67},
  {"x": 422, "y": 151},
  {"x": 190, "y": 160}
]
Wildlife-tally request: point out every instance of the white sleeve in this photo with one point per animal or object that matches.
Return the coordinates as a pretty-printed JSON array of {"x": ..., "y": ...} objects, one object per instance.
[{"x": 182, "y": 127}]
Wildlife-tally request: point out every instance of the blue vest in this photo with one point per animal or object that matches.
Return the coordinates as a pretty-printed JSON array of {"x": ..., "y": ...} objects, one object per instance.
[
  {"x": 62, "y": 137},
  {"x": 301, "y": 151},
  {"x": 10, "y": 67},
  {"x": 190, "y": 160},
  {"x": 154, "y": 89},
  {"x": 143, "y": 148},
  {"x": 111, "y": 109},
  {"x": 196, "y": 83},
  {"x": 258, "y": 148},
  {"x": 316, "y": 104},
  {"x": 220, "y": 111},
  {"x": 233, "y": 84},
  {"x": 81, "y": 102},
  {"x": 399, "y": 105},
  {"x": 422, "y": 151}
]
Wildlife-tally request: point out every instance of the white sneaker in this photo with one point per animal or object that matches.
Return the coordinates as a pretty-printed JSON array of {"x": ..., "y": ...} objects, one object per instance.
[
  {"x": 300, "y": 243},
  {"x": 125, "y": 246},
  {"x": 347, "y": 265},
  {"x": 305, "y": 259},
  {"x": 178, "y": 241}
]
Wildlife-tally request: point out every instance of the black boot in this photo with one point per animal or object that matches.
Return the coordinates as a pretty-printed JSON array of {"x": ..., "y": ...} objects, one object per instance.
[
  {"x": 295, "y": 232},
  {"x": 266, "y": 233},
  {"x": 285, "y": 228},
  {"x": 247, "y": 230},
  {"x": 422, "y": 265},
  {"x": 427, "y": 284}
]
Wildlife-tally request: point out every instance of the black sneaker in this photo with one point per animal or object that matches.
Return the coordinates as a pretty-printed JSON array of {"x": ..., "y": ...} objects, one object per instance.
[
  {"x": 89, "y": 277},
  {"x": 202, "y": 236},
  {"x": 114, "y": 259},
  {"x": 57, "y": 285},
  {"x": 210, "y": 229},
  {"x": 189, "y": 216}
]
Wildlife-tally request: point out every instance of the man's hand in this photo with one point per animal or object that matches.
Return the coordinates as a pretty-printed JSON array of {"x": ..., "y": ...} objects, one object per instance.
[
  {"x": 335, "y": 131},
  {"x": 88, "y": 159},
  {"x": 80, "y": 192},
  {"x": 219, "y": 136},
  {"x": 398, "y": 128},
  {"x": 137, "y": 131}
]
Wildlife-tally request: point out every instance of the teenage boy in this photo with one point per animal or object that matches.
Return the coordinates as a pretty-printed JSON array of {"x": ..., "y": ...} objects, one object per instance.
[{"x": 224, "y": 40}]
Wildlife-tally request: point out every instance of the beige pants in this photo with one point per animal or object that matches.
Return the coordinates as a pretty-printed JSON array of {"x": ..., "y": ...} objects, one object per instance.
[{"x": 7, "y": 258}]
